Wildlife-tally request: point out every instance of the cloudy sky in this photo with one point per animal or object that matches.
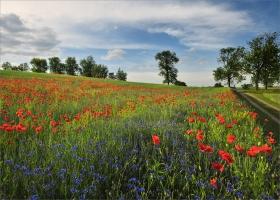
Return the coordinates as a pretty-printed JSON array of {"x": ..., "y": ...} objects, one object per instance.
[{"x": 128, "y": 34}]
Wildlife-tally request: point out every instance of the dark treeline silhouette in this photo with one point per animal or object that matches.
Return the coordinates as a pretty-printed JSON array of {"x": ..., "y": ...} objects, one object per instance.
[
  {"x": 261, "y": 60},
  {"x": 87, "y": 67}
]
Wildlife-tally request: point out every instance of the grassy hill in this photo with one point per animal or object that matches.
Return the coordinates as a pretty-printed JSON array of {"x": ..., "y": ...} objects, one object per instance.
[{"x": 76, "y": 137}]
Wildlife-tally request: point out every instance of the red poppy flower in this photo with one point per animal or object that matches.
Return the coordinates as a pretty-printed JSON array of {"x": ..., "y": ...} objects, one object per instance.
[
  {"x": 218, "y": 166},
  {"x": 255, "y": 150},
  {"x": 199, "y": 136},
  {"x": 189, "y": 132},
  {"x": 155, "y": 139},
  {"x": 230, "y": 138},
  {"x": 229, "y": 126},
  {"x": 213, "y": 182},
  {"x": 201, "y": 119},
  {"x": 226, "y": 156},
  {"x": 239, "y": 148},
  {"x": 20, "y": 128},
  {"x": 191, "y": 120},
  {"x": 38, "y": 129},
  {"x": 271, "y": 140},
  {"x": 205, "y": 148}
]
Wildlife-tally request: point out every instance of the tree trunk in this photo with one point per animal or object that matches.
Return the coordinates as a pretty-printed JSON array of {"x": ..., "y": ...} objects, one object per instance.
[
  {"x": 228, "y": 81},
  {"x": 257, "y": 85},
  {"x": 266, "y": 84}
]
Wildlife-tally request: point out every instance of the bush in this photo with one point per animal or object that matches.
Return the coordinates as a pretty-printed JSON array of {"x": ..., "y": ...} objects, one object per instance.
[
  {"x": 218, "y": 85},
  {"x": 180, "y": 83},
  {"x": 246, "y": 86}
]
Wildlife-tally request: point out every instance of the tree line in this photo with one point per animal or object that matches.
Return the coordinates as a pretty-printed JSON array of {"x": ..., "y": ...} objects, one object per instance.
[
  {"x": 87, "y": 67},
  {"x": 261, "y": 61}
]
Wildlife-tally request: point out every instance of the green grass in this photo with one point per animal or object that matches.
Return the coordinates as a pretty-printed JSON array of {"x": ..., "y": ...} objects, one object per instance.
[
  {"x": 270, "y": 97},
  {"x": 92, "y": 138}
]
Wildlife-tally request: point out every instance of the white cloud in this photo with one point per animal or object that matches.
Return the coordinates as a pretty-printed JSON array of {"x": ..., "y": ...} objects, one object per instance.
[
  {"x": 200, "y": 25},
  {"x": 113, "y": 54}
]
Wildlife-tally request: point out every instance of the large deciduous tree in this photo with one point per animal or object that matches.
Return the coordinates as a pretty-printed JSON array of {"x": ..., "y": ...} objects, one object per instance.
[
  {"x": 233, "y": 62},
  {"x": 6, "y": 66},
  {"x": 166, "y": 61},
  {"x": 121, "y": 75},
  {"x": 87, "y": 65},
  {"x": 262, "y": 59},
  {"x": 39, "y": 65},
  {"x": 71, "y": 66},
  {"x": 100, "y": 71},
  {"x": 55, "y": 65}
]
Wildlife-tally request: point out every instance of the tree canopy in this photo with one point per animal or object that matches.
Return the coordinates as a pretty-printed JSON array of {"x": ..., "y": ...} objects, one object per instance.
[
  {"x": 39, "y": 65},
  {"x": 166, "y": 61}
]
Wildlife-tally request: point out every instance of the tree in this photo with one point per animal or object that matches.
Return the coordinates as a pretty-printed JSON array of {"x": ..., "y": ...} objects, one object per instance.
[
  {"x": 166, "y": 60},
  {"x": 87, "y": 65},
  {"x": 121, "y": 75},
  {"x": 254, "y": 61},
  {"x": 23, "y": 67},
  {"x": 55, "y": 65},
  {"x": 71, "y": 66},
  {"x": 112, "y": 75},
  {"x": 6, "y": 66},
  {"x": 271, "y": 59},
  {"x": 180, "y": 83},
  {"x": 232, "y": 60},
  {"x": 262, "y": 60},
  {"x": 100, "y": 71},
  {"x": 39, "y": 65}
]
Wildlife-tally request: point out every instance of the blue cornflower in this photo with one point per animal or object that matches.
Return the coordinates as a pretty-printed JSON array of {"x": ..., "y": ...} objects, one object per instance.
[
  {"x": 74, "y": 148},
  {"x": 62, "y": 172},
  {"x": 239, "y": 194},
  {"x": 34, "y": 197},
  {"x": 74, "y": 190},
  {"x": 9, "y": 162},
  {"x": 132, "y": 180},
  {"x": 230, "y": 187}
]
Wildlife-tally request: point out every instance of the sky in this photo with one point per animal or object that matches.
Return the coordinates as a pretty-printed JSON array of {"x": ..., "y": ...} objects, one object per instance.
[{"x": 128, "y": 34}]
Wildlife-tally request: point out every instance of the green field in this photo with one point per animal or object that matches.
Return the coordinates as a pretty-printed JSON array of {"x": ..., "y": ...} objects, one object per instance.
[
  {"x": 270, "y": 97},
  {"x": 76, "y": 137}
]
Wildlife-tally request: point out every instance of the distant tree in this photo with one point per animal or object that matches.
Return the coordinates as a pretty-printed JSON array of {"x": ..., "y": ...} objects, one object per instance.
[
  {"x": 6, "y": 66},
  {"x": 121, "y": 75},
  {"x": 87, "y": 65},
  {"x": 180, "y": 83},
  {"x": 112, "y": 75},
  {"x": 71, "y": 66},
  {"x": 166, "y": 60},
  {"x": 23, "y": 67},
  {"x": 39, "y": 65},
  {"x": 100, "y": 71},
  {"x": 262, "y": 60},
  {"x": 55, "y": 65},
  {"x": 218, "y": 85},
  {"x": 233, "y": 61},
  {"x": 271, "y": 59}
]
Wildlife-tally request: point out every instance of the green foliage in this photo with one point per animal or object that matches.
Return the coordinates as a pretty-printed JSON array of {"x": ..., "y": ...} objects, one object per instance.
[
  {"x": 112, "y": 75},
  {"x": 218, "y": 85},
  {"x": 263, "y": 59},
  {"x": 180, "y": 83},
  {"x": 7, "y": 66},
  {"x": 246, "y": 86},
  {"x": 39, "y": 65},
  {"x": 232, "y": 70},
  {"x": 71, "y": 66},
  {"x": 23, "y": 67},
  {"x": 121, "y": 75},
  {"x": 100, "y": 71},
  {"x": 56, "y": 66},
  {"x": 166, "y": 60},
  {"x": 87, "y": 65}
]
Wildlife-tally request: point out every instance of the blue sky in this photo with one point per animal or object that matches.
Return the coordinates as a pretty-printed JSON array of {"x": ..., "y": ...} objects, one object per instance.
[{"x": 128, "y": 34}]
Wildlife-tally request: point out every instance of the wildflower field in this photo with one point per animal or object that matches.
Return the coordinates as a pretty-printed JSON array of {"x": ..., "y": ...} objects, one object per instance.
[{"x": 83, "y": 138}]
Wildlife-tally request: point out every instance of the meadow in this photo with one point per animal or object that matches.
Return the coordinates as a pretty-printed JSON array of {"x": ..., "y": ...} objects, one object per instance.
[{"x": 84, "y": 138}]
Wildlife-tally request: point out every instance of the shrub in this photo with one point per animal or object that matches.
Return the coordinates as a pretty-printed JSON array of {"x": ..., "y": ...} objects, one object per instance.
[
  {"x": 218, "y": 85},
  {"x": 180, "y": 83}
]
